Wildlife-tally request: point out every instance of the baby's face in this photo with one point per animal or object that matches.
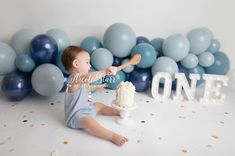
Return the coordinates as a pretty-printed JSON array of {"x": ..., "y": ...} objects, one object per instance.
[{"x": 82, "y": 63}]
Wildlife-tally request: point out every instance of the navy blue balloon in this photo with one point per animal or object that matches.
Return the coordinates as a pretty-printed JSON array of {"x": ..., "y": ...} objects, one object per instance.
[
  {"x": 16, "y": 85},
  {"x": 184, "y": 70},
  {"x": 117, "y": 61},
  {"x": 65, "y": 84},
  {"x": 142, "y": 39},
  {"x": 43, "y": 49},
  {"x": 141, "y": 79}
]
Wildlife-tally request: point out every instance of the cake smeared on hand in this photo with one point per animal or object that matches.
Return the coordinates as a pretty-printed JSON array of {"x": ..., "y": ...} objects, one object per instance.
[{"x": 125, "y": 94}]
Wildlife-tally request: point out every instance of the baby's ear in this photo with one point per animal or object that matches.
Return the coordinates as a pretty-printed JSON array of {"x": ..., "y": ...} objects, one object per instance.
[{"x": 75, "y": 63}]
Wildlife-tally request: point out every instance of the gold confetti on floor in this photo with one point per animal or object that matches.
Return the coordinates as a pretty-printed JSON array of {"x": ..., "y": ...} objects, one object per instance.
[
  {"x": 11, "y": 150},
  {"x": 43, "y": 124},
  {"x": 159, "y": 138},
  {"x": 182, "y": 117},
  {"x": 140, "y": 141},
  {"x": 215, "y": 136},
  {"x": 151, "y": 114},
  {"x": 142, "y": 121},
  {"x": 184, "y": 151},
  {"x": 209, "y": 146},
  {"x": 193, "y": 112},
  {"x": 65, "y": 142},
  {"x": 24, "y": 116},
  {"x": 221, "y": 122},
  {"x": 8, "y": 138},
  {"x": 31, "y": 125},
  {"x": 2, "y": 143},
  {"x": 182, "y": 106},
  {"x": 31, "y": 112},
  {"x": 226, "y": 113}
]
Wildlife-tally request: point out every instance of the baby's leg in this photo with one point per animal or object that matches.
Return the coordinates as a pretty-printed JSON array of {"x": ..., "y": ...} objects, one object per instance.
[
  {"x": 97, "y": 130},
  {"x": 106, "y": 110}
]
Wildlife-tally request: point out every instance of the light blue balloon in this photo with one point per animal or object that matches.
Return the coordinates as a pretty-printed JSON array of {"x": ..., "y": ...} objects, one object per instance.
[
  {"x": 214, "y": 46},
  {"x": 147, "y": 52},
  {"x": 129, "y": 68},
  {"x": 60, "y": 64},
  {"x": 90, "y": 44},
  {"x": 101, "y": 58},
  {"x": 206, "y": 59},
  {"x": 113, "y": 81},
  {"x": 200, "y": 40},
  {"x": 176, "y": 47},
  {"x": 47, "y": 80},
  {"x": 119, "y": 38},
  {"x": 24, "y": 63},
  {"x": 165, "y": 64},
  {"x": 198, "y": 70},
  {"x": 221, "y": 64},
  {"x": 61, "y": 38},
  {"x": 7, "y": 59},
  {"x": 190, "y": 61},
  {"x": 157, "y": 43},
  {"x": 21, "y": 40}
]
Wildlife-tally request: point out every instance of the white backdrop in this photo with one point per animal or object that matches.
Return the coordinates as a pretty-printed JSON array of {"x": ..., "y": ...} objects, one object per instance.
[{"x": 151, "y": 18}]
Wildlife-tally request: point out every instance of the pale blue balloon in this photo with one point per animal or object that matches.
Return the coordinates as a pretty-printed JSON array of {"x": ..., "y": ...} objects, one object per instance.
[
  {"x": 7, "y": 59},
  {"x": 220, "y": 66},
  {"x": 101, "y": 58},
  {"x": 176, "y": 47},
  {"x": 119, "y": 39},
  {"x": 214, "y": 46},
  {"x": 24, "y": 63},
  {"x": 157, "y": 43},
  {"x": 206, "y": 59},
  {"x": 147, "y": 52},
  {"x": 165, "y": 64},
  {"x": 21, "y": 40},
  {"x": 47, "y": 80},
  {"x": 129, "y": 68},
  {"x": 190, "y": 61},
  {"x": 61, "y": 37},
  {"x": 200, "y": 40},
  {"x": 90, "y": 44}
]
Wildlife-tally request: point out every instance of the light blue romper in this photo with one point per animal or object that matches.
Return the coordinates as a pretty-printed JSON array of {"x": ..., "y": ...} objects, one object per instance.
[{"x": 76, "y": 106}]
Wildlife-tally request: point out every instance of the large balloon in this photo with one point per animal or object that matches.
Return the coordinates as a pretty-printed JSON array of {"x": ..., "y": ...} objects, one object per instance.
[
  {"x": 206, "y": 59},
  {"x": 147, "y": 52},
  {"x": 221, "y": 64},
  {"x": 165, "y": 64},
  {"x": 90, "y": 44},
  {"x": 119, "y": 38},
  {"x": 43, "y": 49},
  {"x": 47, "y": 79},
  {"x": 176, "y": 47},
  {"x": 117, "y": 61},
  {"x": 200, "y": 40},
  {"x": 114, "y": 80},
  {"x": 61, "y": 38},
  {"x": 142, "y": 39},
  {"x": 157, "y": 44},
  {"x": 101, "y": 58},
  {"x": 197, "y": 70},
  {"x": 182, "y": 69},
  {"x": 24, "y": 63},
  {"x": 16, "y": 85},
  {"x": 141, "y": 79},
  {"x": 190, "y": 61},
  {"x": 21, "y": 39},
  {"x": 214, "y": 46},
  {"x": 7, "y": 59}
]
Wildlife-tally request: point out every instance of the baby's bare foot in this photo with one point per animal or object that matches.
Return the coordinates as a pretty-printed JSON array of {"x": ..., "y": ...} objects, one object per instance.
[{"x": 118, "y": 139}]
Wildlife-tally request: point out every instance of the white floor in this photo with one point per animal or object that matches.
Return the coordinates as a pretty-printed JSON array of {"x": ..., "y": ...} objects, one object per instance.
[{"x": 35, "y": 127}]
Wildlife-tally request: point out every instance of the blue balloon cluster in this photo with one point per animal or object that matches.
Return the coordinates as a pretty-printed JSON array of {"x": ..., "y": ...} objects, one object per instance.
[{"x": 33, "y": 61}]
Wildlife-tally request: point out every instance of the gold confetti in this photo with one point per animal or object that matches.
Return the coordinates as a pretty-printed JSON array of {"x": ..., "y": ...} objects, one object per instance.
[
  {"x": 184, "y": 151},
  {"x": 215, "y": 136},
  {"x": 221, "y": 122},
  {"x": 159, "y": 138},
  {"x": 226, "y": 113},
  {"x": 2, "y": 143},
  {"x": 182, "y": 106},
  {"x": 209, "y": 146},
  {"x": 51, "y": 103},
  {"x": 8, "y": 138},
  {"x": 140, "y": 141},
  {"x": 24, "y": 116},
  {"x": 182, "y": 117},
  {"x": 4, "y": 125},
  {"x": 31, "y": 125},
  {"x": 142, "y": 121},
  {"x": 11, "y": 150},
  {"x": 193, "y": 112},
  {"x": 43, "y": 124},
  {"x": 65, "y": 142},
  {"x": 152, "y": 114},
  {"x": 25, "y": 120},
  {"x": 31, "y": 112}
]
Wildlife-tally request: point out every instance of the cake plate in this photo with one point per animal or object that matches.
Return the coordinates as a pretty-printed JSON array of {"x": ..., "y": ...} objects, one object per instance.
[{"x": 125, "y": 115}]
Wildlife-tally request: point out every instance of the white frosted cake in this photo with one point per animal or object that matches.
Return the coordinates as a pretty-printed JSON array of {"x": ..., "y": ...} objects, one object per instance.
[{"x": 125, "y": 94}]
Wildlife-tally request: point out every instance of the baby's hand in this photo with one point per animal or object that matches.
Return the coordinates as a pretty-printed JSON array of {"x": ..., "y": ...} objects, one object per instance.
[{"x": 111, "y": 70}]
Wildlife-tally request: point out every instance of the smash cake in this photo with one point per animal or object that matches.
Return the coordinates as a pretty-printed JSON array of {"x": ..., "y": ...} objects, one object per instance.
[{"x": 125, "y": 94}]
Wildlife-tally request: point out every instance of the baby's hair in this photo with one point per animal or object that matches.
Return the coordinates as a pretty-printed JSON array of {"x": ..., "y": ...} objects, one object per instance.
[{"x": 69, "y": 55}]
